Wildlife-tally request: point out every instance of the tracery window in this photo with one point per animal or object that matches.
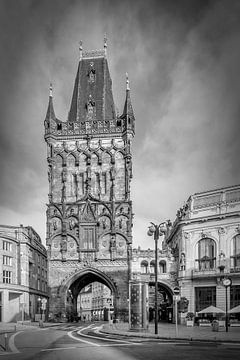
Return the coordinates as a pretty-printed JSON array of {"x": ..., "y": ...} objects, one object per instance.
[
  {"x": 206, "y": 254},
  {"x": 88, "y": 239}
]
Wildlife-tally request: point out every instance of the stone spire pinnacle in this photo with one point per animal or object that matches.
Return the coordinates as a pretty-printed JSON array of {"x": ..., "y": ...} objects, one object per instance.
[
  {"x": 80, "y": 50},
  {"x": 105, "y": 44},
  {"x": 50, "y": 111},
  {"x": 128, "y": 114},
  {"x": 127, "y": 82}
]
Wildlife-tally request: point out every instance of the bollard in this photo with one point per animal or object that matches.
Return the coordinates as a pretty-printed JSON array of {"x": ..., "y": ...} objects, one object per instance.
[
  {"x": 5, "y": 341},
  {"x": 215, "y": 325},
  {"x": 40, "y": 323}
]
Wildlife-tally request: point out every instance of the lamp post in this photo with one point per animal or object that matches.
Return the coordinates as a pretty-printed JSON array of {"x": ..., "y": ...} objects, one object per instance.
[
  {"x": 156, "y": 230},
  {"x": 227, "y": 282}
]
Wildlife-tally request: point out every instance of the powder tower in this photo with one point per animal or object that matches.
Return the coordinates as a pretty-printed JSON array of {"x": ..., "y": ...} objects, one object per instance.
[{"x": 89, "y": 214}]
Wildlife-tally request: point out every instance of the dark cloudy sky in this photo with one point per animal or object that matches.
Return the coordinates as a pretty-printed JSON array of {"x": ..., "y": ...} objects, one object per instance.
[{"x": 183, "y": 60}]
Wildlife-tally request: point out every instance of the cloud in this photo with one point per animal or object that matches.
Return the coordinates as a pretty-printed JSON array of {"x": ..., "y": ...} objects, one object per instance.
[{"x": 183, "y": 63}]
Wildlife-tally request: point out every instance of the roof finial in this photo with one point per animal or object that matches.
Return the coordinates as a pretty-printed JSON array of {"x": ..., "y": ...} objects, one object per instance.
[
  {"x": 105, "y": 44},
  {"x": 80, "y": 50},
  {"x": 51, "y": 90},
  {"x": 127, "y": 82}
]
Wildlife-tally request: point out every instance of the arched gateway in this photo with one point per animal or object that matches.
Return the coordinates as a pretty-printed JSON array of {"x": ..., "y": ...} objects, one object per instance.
[{"x": 89, "y": 215}]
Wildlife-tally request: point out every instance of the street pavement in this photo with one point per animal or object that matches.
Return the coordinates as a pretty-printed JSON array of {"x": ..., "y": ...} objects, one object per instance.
[{"x": 165, "y": 331}]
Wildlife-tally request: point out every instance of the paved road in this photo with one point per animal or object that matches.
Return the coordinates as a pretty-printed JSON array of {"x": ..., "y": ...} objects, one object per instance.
[{"x": 74, "y": 342}]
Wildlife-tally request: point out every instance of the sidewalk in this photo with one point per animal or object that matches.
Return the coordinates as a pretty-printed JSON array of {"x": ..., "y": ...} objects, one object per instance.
[{"x": 168, "y": 331}]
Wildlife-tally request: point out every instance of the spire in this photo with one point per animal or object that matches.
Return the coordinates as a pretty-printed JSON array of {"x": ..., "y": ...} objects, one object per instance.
[
  {"x": 127, "y": 82},
  {"x": 128, "y": 114},
  {"x": 50, "y": 111},
  {"x": 93, "y": 81},
  {"x": 80, "y": 50}
]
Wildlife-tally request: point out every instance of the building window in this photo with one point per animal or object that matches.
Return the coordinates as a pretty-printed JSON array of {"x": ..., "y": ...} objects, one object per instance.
[
  {"x": 236, "y": 251},
  {"x": 7, "y": 277},
  {"x": 88, "y": 240},
  {"x": 144, "y": 267},
  {"x": 152, "y": 267},
  {"x": 234, "y": 296},
  {"x": 204, "y": 297},
  {"x": 7, "y": 246},
  {"x": 162, "y": 267},
  {"x": 206, "y": 254},
  {"x": 7, "y": 260}
]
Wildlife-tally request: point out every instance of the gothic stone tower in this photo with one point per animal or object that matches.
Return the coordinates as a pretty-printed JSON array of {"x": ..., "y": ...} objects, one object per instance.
[{"x": 89, "y": 215}]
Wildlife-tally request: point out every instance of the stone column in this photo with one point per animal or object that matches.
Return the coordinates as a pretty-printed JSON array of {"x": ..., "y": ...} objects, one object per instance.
[{"x": 138, "y": 302}]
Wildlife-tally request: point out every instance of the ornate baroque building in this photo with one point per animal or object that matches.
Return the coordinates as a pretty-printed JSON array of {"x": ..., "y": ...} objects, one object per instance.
[
  {"x": 205, "y": 241},
  {"x": 89, "y": 215}
]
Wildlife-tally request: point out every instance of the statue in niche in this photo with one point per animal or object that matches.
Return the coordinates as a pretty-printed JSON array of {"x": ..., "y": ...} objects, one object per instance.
[
  {"x": 71, "y": 224},
  {"x": 54, "y": 224},
  {"x": 103, "y": 210},
  {"x": 182, "y": 261},
  {"x": 120, "y": 224},
  {"x": 104, "y": 223},
  {"x": 113, "y": 241}
]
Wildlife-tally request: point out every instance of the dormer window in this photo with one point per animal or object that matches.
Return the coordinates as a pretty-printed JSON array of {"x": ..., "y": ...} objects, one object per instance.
[
  {"x": 91, "y": 73},
  {"x": 119, "y": 122}
]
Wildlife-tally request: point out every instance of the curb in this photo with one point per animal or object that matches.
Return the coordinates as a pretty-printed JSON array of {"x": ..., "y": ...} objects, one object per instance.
[{"x": 153, "y": 336}]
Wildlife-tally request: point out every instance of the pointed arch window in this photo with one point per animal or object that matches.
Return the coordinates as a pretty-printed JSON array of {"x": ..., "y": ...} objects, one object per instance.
[
  {"x": 206, "y": 254},
  {"x": 236, "y": 251},
  {"x": 144, "y": 267},
  {"x": 88, "y": 238}
]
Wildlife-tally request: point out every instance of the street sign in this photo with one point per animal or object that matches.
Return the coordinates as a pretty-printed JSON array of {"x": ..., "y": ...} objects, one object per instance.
[
  {"x": 176, "y": 290},
  {"x": 176, "y": 297}
]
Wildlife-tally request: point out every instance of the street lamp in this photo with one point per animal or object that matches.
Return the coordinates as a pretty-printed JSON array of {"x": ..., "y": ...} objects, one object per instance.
[
  {"x": 227, "y": 282},
  {"x": 156, "y": 230}
]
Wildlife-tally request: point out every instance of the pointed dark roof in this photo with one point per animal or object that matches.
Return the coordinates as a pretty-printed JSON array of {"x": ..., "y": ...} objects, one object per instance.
[
  {"x": 92, "y": 94},
  {"x": 128, "y": 110},
  {"x": 128, "y": 114},
  {"x": 50, "y": 115}
]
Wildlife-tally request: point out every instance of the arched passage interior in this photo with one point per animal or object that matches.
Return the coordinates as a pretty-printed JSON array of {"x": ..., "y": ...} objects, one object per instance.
[
  {"x": 165, "y": 302},
  {"x": 74, "y": 292}
]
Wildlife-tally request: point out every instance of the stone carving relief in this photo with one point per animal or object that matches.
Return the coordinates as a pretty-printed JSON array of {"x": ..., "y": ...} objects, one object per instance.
[
  {"x": 104, "y": 223},
  {"x": 55, "y": 248},
  {"x": 104, "y": 247},
  {"x": 72, "y": 248},
  {"x": 55, "y": 225}
]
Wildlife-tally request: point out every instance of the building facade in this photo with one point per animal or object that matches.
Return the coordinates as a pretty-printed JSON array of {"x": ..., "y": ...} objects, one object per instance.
[
  {"x": 143, "y": 267},
  {"x": 205, "y": 241},
  {"x": 89, "y": 215},
  {"x": 23, "y": 269}
]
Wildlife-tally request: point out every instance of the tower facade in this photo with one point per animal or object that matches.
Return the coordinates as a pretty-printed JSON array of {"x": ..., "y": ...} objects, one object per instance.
[{"x": 89, "y": 214}]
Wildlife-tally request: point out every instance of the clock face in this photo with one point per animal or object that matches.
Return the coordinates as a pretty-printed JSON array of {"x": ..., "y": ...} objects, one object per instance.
[{"x": 227, "y": 282}]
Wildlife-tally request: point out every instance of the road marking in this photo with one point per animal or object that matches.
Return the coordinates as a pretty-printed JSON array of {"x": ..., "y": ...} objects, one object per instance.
[
  {"x": 85, "y": 341},
  {"x": 103, "y": 339}
]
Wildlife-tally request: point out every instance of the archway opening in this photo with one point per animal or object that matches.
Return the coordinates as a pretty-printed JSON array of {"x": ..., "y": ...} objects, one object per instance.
[
  {"x": 90, "y": 297},
  {"x": 165, "y": 303}
]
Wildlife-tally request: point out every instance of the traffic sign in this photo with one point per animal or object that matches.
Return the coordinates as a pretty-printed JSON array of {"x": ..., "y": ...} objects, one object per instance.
[
  {"x": 176, "y": 297},
  {"x": 176, "y": 290}
]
